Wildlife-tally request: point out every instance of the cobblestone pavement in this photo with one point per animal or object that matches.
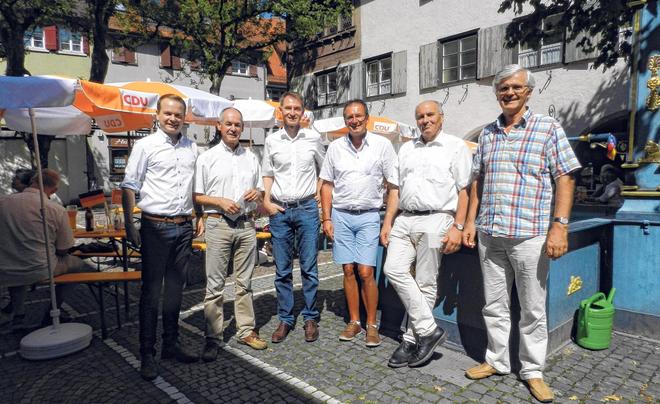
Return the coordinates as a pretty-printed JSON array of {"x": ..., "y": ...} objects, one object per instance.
[{"x": 295, "y": 371}]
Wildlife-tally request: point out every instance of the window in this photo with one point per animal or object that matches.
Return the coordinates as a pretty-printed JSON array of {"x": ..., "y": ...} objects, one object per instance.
[
  {"x": 549, "y": 50},
  {"x": 459, "y": 59},
  {"x": 274, "y": 93},
  {"x": 379, "y": 76},
  {"x": 34, "y": 39},
  {"x": 239, "y": 68},
  {"x": 326, "y": 85},
  {"x": 70, "y": 41}
]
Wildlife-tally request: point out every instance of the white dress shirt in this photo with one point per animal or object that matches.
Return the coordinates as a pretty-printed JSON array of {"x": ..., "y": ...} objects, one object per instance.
[
  {"x": 430, "y": 175},
  {"x": 226, "y": 173},
  {"x": 359, "y": 174},
  {"x": 292, "y": 162},
  {"x": 162, "y": 172}
]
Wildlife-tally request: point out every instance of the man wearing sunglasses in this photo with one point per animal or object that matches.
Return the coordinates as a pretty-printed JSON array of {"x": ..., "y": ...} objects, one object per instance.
[{"x": 519, "y": 158}]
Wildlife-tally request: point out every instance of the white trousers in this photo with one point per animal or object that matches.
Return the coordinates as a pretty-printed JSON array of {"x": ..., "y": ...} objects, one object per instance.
[
  {"x": 504, "y": 260},
  {"x": 416, "y": 239}
]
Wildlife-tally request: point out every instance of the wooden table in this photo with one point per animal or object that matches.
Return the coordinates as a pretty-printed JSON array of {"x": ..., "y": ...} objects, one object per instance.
[{"x": 113, "y": 235}]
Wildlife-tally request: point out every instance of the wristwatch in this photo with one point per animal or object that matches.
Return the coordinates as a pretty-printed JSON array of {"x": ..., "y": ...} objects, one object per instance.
[
  {"x": 562, "y": 220},
  {"x": 459, "y": 226}
]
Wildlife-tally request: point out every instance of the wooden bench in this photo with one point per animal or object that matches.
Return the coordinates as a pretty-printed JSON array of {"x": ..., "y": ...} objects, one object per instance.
[{"x": 100, "y": 279}]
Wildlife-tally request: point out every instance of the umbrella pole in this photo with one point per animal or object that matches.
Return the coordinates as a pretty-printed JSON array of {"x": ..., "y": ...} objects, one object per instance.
[{"x": 54, "y": 313}]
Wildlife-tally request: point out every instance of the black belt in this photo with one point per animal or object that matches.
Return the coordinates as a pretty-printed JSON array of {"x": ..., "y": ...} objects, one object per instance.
[
  {"x": 357, "y": 211},
  {"x": 227, "y": 218},
  {"x": 293, "y": 204},
  {"x": 167, "y": 219},
  {"x": 421, "y": 212}
]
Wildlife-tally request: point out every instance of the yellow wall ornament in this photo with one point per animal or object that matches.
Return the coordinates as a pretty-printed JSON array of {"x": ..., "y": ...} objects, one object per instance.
[
  {"x": 653, "y": 84},
  {"x": 574, "y": 285}
]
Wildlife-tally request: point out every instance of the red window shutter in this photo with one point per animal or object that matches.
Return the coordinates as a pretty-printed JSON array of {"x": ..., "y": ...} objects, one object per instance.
[
  {"x": 165, "y": 56},
  {"x": 118, "y": 55},
  {"x": 253, "y": 71},
  {"x": 85, "y": 45},
  {"x": 50, "y": 36},
  {"x": 129, "y": 57},
  {"x": 176, "y": 62}
]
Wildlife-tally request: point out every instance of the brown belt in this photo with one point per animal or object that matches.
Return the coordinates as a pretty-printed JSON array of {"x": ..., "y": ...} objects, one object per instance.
[{"x": 167, "y": 219}]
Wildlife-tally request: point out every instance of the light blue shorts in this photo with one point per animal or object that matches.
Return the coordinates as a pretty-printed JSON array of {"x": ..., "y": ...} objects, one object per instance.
[{"x": 356, "y": 237}]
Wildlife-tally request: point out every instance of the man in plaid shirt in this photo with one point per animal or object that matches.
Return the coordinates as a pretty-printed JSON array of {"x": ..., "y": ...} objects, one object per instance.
[{"x": 519, "y": 157}]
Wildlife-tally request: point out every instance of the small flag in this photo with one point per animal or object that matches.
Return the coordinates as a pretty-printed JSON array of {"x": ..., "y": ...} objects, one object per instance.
[
  {"x": 92, "y": 198},
  {"x": 611, "y": 147}
]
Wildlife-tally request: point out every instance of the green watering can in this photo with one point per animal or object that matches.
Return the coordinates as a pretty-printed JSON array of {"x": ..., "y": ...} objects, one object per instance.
[{"x": 594, "y": 330}]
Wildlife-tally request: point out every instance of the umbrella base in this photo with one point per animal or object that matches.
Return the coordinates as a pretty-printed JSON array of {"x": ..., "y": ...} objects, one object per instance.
[{"x": 53, "y": 342}]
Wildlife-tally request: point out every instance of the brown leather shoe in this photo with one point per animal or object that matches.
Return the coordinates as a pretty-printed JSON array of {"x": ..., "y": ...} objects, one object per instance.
[
  {"x": 540, "y": 390},
  {"x": 311, "y": 330},
  {"x": 480, "y": 371},
  {"x": 373, "y": 339},
  {"x": 352, "y": 329},
  {"x": 253, "y": 341},
  {"x": 280, "y": 334}
]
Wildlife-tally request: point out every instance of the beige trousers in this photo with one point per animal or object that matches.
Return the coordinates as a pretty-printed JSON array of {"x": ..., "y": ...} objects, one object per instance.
[
  {"x": 504, "y": 260},
  {"x": 236, "y": 244}
]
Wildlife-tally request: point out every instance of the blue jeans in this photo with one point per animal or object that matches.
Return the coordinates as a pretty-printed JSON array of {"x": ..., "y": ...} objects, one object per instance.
[
  {"x": 166, "y": 249},
  {"x": 303, "y": 224}
]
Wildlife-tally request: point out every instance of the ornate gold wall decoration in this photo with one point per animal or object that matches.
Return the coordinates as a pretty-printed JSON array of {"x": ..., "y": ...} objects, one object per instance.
[
  {"x": 653, "y": 84},
  {"x": 574, "y": 285},
  {"x": 652, "y": 150}
]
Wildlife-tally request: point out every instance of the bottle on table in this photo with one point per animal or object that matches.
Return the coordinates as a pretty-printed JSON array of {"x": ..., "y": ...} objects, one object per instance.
[{"x": 89, "y": 220}]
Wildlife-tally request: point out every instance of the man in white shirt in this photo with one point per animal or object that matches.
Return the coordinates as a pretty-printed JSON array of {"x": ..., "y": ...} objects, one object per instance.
[
  {"x": 355, "y": 169},
  {"x": 161, "y": 168},
  {"x": 292, "y": 158},
  {"x": 228, "y": 185},
  {"x": 433, "y": 173}
]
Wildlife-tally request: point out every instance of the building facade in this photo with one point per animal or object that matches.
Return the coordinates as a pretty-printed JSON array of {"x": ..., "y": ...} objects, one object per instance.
[{"x": 449, "y": 51}]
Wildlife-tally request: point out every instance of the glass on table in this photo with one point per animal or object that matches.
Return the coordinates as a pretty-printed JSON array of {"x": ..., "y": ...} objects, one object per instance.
[{"x": 72, "y": 212}]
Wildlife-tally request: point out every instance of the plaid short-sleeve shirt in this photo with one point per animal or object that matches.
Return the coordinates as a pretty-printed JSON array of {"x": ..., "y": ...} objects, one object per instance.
[{"x": 517, "y": 171}]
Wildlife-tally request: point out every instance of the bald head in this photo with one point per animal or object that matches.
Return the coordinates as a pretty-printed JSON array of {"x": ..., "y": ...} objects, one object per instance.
[{"x": 429, "y": 116}]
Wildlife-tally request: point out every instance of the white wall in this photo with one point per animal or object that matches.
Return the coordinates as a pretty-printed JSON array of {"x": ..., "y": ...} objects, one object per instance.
[{"x": 67, "y": 156}]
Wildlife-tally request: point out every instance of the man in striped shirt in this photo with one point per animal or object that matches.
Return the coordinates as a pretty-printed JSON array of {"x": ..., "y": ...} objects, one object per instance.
[{"x": 518, "y": 159}]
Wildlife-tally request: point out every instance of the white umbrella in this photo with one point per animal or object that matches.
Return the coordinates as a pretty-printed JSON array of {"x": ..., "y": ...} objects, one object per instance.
[
  {"x": 56, "y": 121},
  {"x": 44, "y": 92}
]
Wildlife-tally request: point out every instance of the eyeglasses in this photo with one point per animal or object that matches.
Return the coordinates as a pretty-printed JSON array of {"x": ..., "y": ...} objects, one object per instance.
[{"x": 516, "y": 89}]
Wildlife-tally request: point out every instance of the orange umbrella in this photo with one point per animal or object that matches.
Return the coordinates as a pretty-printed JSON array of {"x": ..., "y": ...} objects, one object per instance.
[
  {"x": 391, "y": 129},
  {"x": 123, "y": 107}
]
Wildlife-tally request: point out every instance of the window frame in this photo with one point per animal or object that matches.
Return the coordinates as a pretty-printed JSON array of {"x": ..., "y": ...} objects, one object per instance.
[
  {"x": 71, "y": 43},
  {"x": 28, "y": 40},
  {"x": 238, "y": 71},
  {"x": 543, "y": 49},
  {"x": 381, "y": 82},
  {"x": 327, "y": 100},
  {"x": 460, "y": 66}
]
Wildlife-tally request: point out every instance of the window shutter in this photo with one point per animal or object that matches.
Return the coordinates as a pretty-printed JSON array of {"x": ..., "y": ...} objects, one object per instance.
[
  {"x": 492, "y": 54},
  {"x": 572, "y": 53},
  {"x": 85, "y": 45},
  {"x": 118, "y": 55},
  {"x": 313, "y": 90},
  {"x": 356, "y": 86},
  {"x": 252, "y": 70},
  {"x": 343, "y": 83},
  {"x": 165, "y": 56},
  {"x": 50, "y": 38},
  {"x": 129, "y": 57},
  {"x": 428, "y": 65},
  {"x": 399, "y": 72}
]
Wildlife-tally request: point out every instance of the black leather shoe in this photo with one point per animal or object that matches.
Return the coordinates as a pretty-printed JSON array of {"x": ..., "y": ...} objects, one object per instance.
[
  {"x": 402, "y": 354},
  {"x": 148, "y": 367},
  {"x": 425, "y": 347},
  {"x": 210, "y": 353},
  {"x": 180, "y": 353}
]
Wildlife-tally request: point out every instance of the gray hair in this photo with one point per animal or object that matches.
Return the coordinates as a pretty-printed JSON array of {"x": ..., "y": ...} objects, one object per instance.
[
  {"x": 509, "y": 71},
  {"x": 438, "y": 104}
]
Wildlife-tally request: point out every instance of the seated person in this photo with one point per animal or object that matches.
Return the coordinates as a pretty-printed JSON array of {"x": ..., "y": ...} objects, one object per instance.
[
  {"x": 22, "y": 250},
  {"x": 609, "y": 191}
]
